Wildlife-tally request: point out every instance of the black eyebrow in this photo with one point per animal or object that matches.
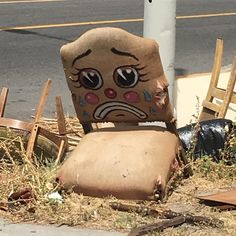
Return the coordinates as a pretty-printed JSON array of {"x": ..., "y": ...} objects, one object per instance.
[
  {"x": 82, "y": 55},
  {"x": 114, "y": 50}
]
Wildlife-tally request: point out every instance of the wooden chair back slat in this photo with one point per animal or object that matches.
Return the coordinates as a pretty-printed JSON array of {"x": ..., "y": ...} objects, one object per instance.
[{"x": 211, "y": 110}]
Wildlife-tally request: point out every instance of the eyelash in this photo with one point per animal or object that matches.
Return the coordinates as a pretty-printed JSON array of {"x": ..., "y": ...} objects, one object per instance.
[
  {"x": 136, "y": 67},
  {"x": 77, "y": 79},
  {"x": 139, "y": 69},
  {"x": 78, "y": 71}
]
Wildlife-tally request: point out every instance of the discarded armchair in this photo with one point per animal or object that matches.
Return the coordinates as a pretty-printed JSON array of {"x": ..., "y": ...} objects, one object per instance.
[{"x": 115, "y": 76}]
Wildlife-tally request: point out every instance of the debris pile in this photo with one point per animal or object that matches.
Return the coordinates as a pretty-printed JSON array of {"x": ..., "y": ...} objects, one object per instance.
[{"x": 32, "y": 153}]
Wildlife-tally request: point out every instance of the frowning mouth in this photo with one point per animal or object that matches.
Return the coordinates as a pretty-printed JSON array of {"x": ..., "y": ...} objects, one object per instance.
[{"x": 104, "y": 109}]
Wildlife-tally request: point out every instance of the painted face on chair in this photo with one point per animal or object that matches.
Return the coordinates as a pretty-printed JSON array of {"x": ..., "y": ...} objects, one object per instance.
[{"x": 116, "y": 76}]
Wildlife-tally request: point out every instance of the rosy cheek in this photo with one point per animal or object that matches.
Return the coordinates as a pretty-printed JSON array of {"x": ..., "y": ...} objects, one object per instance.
[
  {"x": 91, "y": 98},
  {"x": 131, "y": 96}
]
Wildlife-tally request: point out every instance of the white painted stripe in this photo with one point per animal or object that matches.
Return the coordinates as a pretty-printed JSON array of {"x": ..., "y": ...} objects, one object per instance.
[
  {"x": 70, "y": 24},
  {"x": 105, "y": 22},
  {"x": 28, "y": 1},
  {"x": 207, "y": 15}
]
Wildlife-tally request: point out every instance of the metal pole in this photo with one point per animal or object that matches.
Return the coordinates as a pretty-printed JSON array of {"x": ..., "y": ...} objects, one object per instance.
[{"x": 159, "y": 24}]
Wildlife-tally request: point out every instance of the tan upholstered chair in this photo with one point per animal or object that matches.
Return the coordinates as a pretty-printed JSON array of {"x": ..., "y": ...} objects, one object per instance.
[{"x": 115, "y": 76}]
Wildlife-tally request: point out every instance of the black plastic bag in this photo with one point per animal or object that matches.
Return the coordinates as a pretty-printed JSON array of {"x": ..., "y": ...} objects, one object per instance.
[{"x": 207, "y": 137}]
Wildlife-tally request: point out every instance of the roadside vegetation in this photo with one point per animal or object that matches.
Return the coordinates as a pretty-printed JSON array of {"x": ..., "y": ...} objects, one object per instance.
[{"x": 43, "y": 201}]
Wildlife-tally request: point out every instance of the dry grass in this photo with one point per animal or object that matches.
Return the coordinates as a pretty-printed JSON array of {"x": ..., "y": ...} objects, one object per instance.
[{"x": 79, "y": 210}]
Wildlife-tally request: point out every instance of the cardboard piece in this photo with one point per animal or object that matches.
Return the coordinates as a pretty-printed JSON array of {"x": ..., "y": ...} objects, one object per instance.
[{"x": 226, "y": 197}]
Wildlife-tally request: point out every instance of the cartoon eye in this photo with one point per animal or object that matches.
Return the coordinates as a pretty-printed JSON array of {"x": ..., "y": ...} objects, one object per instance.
[
  {"x": 126, "y": 77},
  {"x": 90, "y": 78}
]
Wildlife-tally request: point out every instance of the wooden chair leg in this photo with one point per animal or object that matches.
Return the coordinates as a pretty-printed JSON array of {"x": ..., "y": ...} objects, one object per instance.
[
  {"x": 3, "y": 100},
  {"x": 34, "y": 132},
  {"x": 61, "y": 128},
  {"x": 207, "y": 113},
  {"x": 60, "y": 117},
  {"x": 229, "y": 91}
]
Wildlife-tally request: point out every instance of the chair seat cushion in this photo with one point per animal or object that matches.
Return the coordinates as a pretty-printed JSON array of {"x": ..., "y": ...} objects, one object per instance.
[{"x": 124, "y": 162}]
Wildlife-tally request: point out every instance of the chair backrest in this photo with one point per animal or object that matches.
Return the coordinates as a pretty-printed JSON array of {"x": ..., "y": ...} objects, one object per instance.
[
  {"x": 115, "y": 76},
  {"x": 210, "y": 109}
]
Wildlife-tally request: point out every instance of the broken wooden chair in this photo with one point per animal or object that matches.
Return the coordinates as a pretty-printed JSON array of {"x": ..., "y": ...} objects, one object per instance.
[
  {"x": 37, "y": 139},
  {"x": 115, "y": 76},
  {"x": 210, "y": 109}
]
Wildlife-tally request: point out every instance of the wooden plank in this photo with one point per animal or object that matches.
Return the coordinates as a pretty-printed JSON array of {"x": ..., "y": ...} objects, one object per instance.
[
  {"x": 228, "y": 197},
  {"x": 207, "y": 114},
  {"x": 218, "y": 93},
  {"x": 3, "y": 100},
  {"x": 33, "y": 135},
  {"x": 42, "y": 100},
  {"x": 216, "y": 67},
  {"x": 233, "y": 98},
  {"x": 61, "y": 123},
  {"x": 211, "y": 106},
  {"x": 60, "y": 152},
  {"x": 15, "y": 124},
  {"x": 229, "y": 91},
  {"x": 31, "y": 141},
  {"x": 60, "y": 117}
]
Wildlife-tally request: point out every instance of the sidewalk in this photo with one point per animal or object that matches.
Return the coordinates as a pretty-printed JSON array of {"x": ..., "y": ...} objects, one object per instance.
[
  {"x": 8, "y": 229},
  {"x": 190, "y": 87}
]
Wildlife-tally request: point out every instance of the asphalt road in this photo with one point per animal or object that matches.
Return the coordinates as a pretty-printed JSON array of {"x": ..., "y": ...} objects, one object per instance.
[{"x": 29, "y": 56}]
